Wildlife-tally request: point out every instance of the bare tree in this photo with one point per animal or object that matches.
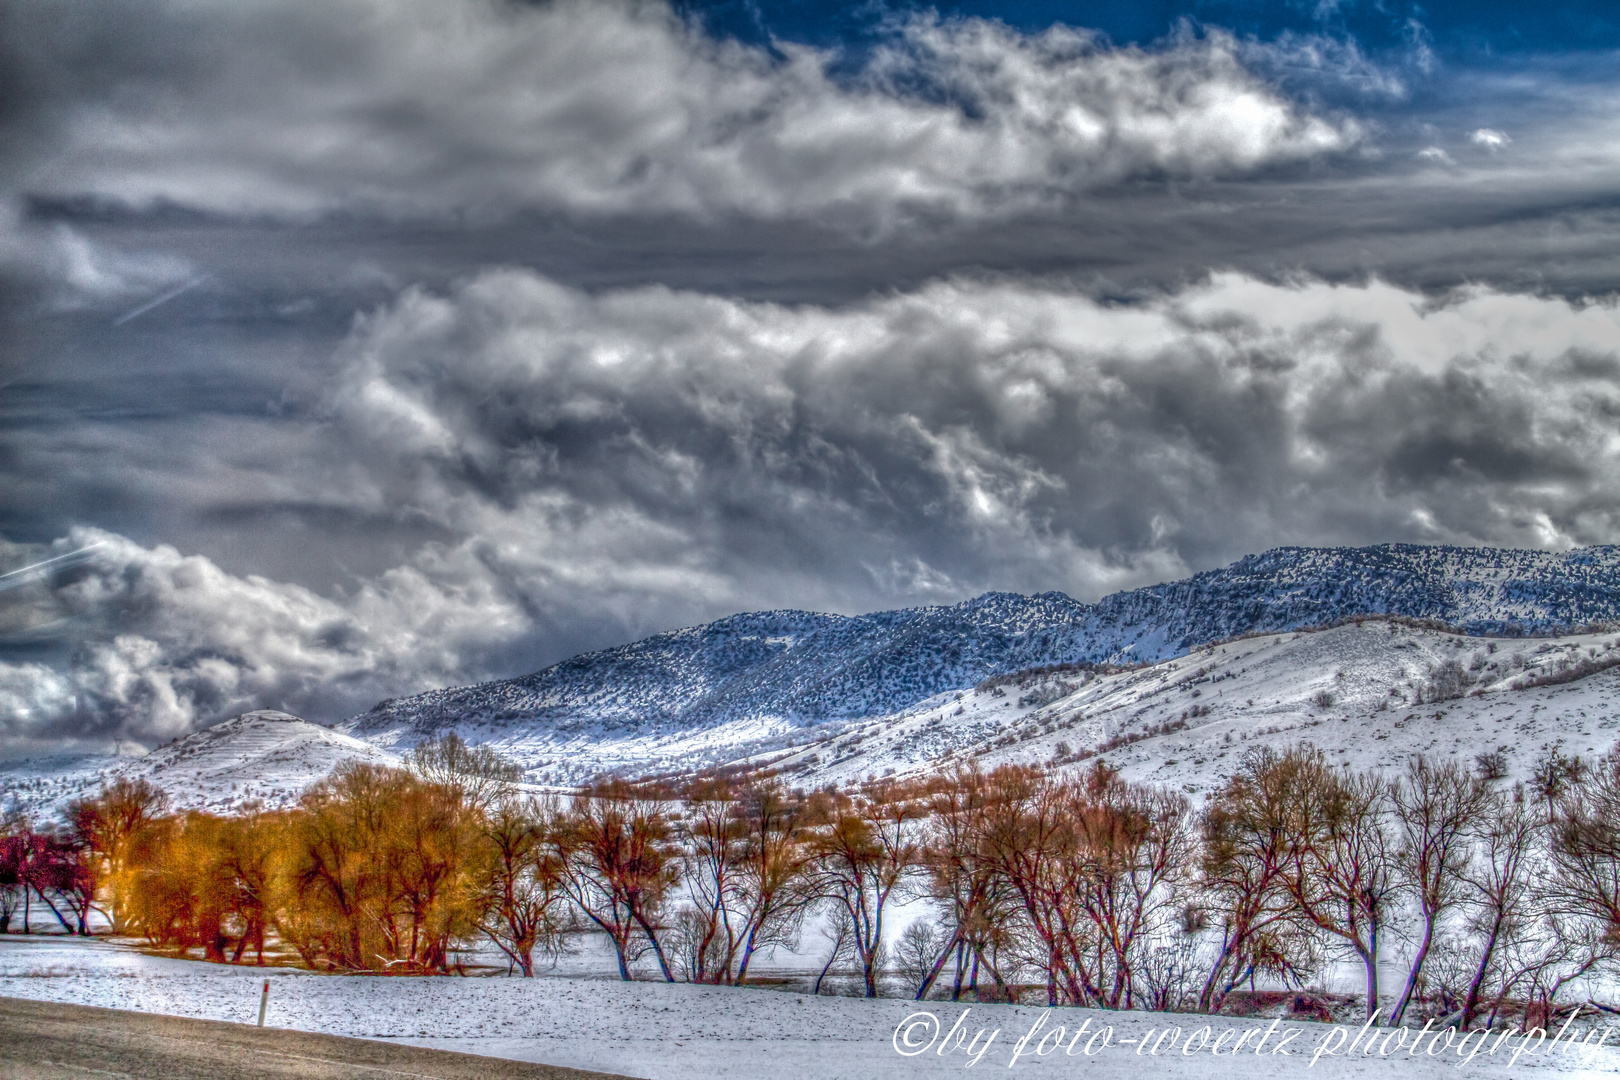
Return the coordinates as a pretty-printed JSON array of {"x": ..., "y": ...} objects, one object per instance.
[
  {"x": 916, "y": 950},
  {"x": 711, "y": 847},
  {"x": 962, "y": 878},
  {"x": 1556, "y": 775},
  {"x": 770, "y": 886},
  {"x": 1096, "y": 863},
  {"x": 1586, "y": 844},
  {"x": 1558, "y": 949},
  {"x": 1342, "y": 875},
  {"x": 109, "y": 826},
  {"x": 1247, "y": 853},
  {"x": 1435, "y": 807},
  {"x": 481, "y": 775},
  {"x": 520, "y": 875},
  {"x": 862, "y": 852},
  {"x": 1508, "y": 835},
  {"x": 1170, "y": 969},
  {"x": 620, "y": 866},
  {"x": 840, "y": 935},
  {"x": 12, "y": 895},
  {"x": 1136, "y": 847}
]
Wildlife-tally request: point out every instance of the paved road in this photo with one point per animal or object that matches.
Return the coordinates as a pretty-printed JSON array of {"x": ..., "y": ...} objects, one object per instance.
[{"x": 43, "y": 1040}]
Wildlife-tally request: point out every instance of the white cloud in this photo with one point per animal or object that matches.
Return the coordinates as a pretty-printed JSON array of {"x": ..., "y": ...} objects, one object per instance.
[
  {"x": 173, "y": 642},
  {"x": 1490, "y": 139},
  {"x": 613, "y": 106}
]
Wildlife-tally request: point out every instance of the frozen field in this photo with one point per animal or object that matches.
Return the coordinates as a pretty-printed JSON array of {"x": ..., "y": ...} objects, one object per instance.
[{"x": 682, "y": 1032}]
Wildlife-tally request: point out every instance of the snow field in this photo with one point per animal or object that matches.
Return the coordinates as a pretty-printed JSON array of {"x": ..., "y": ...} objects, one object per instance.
[{"x": 684, "y": 1032}]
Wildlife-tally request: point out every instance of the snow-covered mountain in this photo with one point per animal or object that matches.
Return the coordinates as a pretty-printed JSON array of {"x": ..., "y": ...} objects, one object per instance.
[
  {"x": 265, "y": 756},
  {"x": 1161, "y": 681},
  {"x": 764, "y": 673},
  {"x": 1369, "y": 693}
]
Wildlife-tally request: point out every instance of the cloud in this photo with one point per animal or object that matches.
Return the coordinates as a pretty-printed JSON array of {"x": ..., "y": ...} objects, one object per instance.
[
  {"x": 601, "y": 108},
  {"x": 1489, "y": 138},
  {"x": 165, "y": 643},
  {"x": 79, "y": 272},
  {"x": 1000, "y": 434},
  {"x": 614, "y": 463}
]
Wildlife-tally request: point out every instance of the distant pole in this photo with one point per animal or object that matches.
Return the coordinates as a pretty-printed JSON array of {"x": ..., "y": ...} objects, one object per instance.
[{"x": 264, "y": 1001}]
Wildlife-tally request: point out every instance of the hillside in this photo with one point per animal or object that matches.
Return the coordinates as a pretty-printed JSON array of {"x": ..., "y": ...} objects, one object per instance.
[
  {"x": 267, "y": 756},
  {"x": 763, "y": 674},
  {"x": 1362, "y": 692}
]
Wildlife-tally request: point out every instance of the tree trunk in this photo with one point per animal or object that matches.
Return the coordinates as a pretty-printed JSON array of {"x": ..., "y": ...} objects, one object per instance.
[
  {"x": 748, "y": 954},
  {"x": 1370, "y": 958},
  {"x": 658, "y": 950},
  {"x": 1370, "y": 961},
  {"x": 1001, "y": 984},
  {"x": 1412, "y": 976},
  {"x": 54, "y": 911},
  {"x": 939, "y": 964},
  {"x": 1471, "y": 999},
  {"x": 624, "y": 966},
  {"x": 1209, "y": 1001},
  {"x": 833, "y": 956}
]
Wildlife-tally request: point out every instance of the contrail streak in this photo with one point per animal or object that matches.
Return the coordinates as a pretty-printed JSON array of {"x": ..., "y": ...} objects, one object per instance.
[
  {"x": 38, "y": 570},
  {"x": 164, "y": 299}
]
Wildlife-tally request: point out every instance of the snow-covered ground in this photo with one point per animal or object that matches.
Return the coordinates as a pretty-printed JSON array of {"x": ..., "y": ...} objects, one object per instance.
[{"x": 684, "y": 1032}]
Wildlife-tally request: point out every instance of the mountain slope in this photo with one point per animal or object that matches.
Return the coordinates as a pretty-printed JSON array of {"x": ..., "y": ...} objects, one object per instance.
[
  {"x": 266, "y": 755},
  {"x": 769, "y": 672},
  {"x": 1364, "y": 692}
]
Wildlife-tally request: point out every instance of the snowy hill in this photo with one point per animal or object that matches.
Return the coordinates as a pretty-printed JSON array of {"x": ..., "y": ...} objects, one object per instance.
[
  {"x": 1361, "y": 692},
  {"x": 266, "y": 755},
  {"x": 759, "y": 675}
]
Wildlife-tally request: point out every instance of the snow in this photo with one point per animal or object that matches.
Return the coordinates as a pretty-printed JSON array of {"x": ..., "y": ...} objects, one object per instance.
[
  {"x": 751, "y": 683},
  {"x": 1261, "y": 690},
  {"x": 266, "y": 755},
  {"x": 683, "y": 1032},
  {"x": 1183, "y": 722}
]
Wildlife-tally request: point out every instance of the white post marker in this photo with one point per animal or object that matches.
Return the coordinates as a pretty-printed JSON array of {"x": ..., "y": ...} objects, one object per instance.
[{"x": 264, "y": 1001}]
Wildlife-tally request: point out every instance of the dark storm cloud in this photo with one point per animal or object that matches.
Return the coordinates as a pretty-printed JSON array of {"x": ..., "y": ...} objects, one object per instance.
[{"x": 768, "y": 327}]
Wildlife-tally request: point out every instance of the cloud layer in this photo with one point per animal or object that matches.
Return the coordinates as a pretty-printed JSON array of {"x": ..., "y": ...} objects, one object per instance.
[
  {"x": 482, "y": 107},
  {"x": 647, "y": 457}
]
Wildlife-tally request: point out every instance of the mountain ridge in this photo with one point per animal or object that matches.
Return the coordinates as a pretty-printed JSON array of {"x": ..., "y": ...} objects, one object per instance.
[{"x": 804, "y": 668}]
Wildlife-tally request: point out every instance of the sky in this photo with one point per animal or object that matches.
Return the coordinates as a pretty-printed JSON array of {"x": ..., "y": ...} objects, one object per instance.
[{"x": 353, "y": 349}]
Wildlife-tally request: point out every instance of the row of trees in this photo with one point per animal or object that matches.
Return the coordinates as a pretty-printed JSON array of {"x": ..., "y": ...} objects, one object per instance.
[
  {"x": 40, "y": 866},
  {"x": 1102, "y": 892}
]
